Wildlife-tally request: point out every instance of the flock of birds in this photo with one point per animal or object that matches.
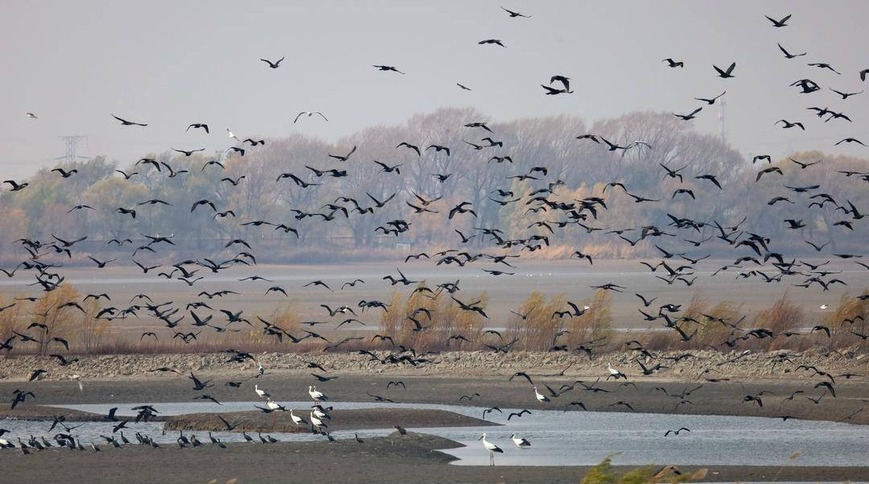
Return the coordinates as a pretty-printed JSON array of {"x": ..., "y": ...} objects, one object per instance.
[{"x": 580, "y": 213}]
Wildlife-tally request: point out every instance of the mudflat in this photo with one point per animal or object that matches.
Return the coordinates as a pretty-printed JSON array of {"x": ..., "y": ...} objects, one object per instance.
[{"x": 413, "y": 457}]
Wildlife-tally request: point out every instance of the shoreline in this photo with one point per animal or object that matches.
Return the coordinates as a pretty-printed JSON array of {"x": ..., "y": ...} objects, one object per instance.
[
  {"x": 485, "y": 377},
  {"x": 396, "y": 458}
]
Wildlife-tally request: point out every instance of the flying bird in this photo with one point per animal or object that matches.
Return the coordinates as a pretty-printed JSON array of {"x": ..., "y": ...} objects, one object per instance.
[
  {"x": 711, "y": 101},
  {"x": 726, "y": 73},
  {"x": 514, "y": 14},
  {"x": 689, "y": 116},
  {"x": 779, "y": 23},
  {"x": 492, "y": 41},
  {"x": 124, "y": 122},
  {"x": 275, "y": 64},
  {"x": 387, "y": 68},
  {"x": 787, "y": 54},
  {"x": 309, "y": 113},
  {"x": 187, "y": 152}
]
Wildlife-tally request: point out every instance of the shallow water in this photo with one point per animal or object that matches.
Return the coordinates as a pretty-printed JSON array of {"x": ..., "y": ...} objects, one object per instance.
[{"x": 558, "y": 438}]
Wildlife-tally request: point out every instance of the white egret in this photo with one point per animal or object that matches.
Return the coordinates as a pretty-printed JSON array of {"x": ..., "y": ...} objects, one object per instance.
[
  {"x": 492, "y": 448},
  {"x": 320, "y": 412},
  {"x": 615, "y": 373},
  {"x": 520, "y": 442},
  {"x": 316, "y": 394},
  {"x": 296, "y": 419},
  {"x": 274, "y": 405},
  {"x": 316, "y": 421},
  {"x": 77, "y": 378},
  {"x": 540, "y": 397}
]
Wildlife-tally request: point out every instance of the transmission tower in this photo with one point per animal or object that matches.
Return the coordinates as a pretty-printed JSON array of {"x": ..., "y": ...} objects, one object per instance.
[
  {"x": 722, "y": 118},
  {"x": 71, "y": 143}
]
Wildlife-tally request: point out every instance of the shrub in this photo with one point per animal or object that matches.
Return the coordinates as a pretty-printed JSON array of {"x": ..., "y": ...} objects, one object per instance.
[
  {"x": 603, "y": 473},
  {"x": 849, "y": 322},
  {"x": 437, "y": 318},
  {"x": 782, "y": 316},
  {"x": 536, "y": 324},
  {"x": 595, "y": 324}
]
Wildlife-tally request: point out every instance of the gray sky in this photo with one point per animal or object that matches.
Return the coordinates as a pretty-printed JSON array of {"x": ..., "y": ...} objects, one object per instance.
[{"x": 172, "y": 63}]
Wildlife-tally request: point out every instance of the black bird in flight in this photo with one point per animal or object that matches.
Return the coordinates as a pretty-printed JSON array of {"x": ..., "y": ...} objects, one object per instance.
[
  {"x": 188, "y": 152},
  {"x": 787, "y": 54},
  {"x": 124, "y": 122},
  {"x": 439, "y": 148},
  {"x": 478, "y": 124},
  {"x": 387, "y": 68},
  {"x": 514, "y": 14},
  {"x": 787, "y": 124},
  {"x": 15, "y": 185},
  {"x": 824, "y": 65},
  {"x": 492, "y": 41},
  {"x": 846, "y": 140},
  {"x": 689, "y": 116},
  {"x": 197, "y": 126},
  {"x": 673, "y": 63},
  {"x": 711, "y": 101},
  {"x": 64, "y": 173},
  {"x": 275, "y": 64},
  {"x": 846, "y": 95},
  {"x": 727, "y": 73},
  {"x": 779, "y": 23},
  {"x": 345, "y": 157},
  {"x": 412, "y": 147}
]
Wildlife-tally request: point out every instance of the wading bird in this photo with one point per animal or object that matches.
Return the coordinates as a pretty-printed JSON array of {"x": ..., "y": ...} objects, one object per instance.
[{"x": 491, "y": 448}]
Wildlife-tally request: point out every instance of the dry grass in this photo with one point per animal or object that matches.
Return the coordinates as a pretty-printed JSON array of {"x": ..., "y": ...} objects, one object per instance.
[
  {"x": 427, "y": 323},
  {"x": 538, "y": 324}
]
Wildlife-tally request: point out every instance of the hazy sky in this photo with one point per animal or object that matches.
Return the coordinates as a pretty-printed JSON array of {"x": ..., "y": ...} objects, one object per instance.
[{"x": 172, "y": 63}]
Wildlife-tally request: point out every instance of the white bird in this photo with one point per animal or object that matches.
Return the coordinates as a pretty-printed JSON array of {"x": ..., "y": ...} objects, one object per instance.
[
  {"x": 492, "y": 448},
  {"x": 520, "y": 442},
  {"x": 296, "y": 419},
  {"x": 261, "y": 393},
  {"x": 274, "y": 405},
  {"x": 261, "y": 369},
  {"x": 317, "y": 422},
  {"x": 77, "y": 377},
  {"x": 615, "y": 373},
  {"x": 320, "y": 412},
  {"x": 309, "y": 113},
  {"x": 823, "y": 307},
  {"x": 540, "y": 397},
  {"x": 231, "y": 135},
  {"x": 316, "y": 394}
]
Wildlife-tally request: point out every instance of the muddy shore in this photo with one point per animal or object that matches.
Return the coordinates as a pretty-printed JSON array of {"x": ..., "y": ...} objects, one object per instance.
[{"x": 484, "y": 378}]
